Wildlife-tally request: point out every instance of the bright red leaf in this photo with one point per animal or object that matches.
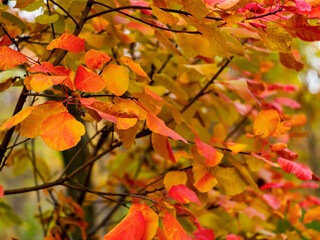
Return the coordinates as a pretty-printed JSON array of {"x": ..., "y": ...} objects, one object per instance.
[
  {"x": 301, "y": 171},
  {"x": 204, "y": 234},
  {"x": 183, "y": 194},
  {"x": 1, "y": 191}
]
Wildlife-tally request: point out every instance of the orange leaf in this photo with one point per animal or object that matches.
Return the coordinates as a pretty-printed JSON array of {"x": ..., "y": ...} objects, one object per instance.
[
  {"x": 156, "y": 125},
  {"x": 183, "y": 194},
  {"x": 10, "y": 58},
  {"x": 266, "y": 122},
  {"x": 151, "y": 219},
  {"x": 312, "y": 215},
  {"x": 31, "y": 126},
  {"x": 62, "y": 131},
  {"x": 132, "y": 227},
  {"x": 1, "y": 191},
  {"x": 174, "y": 178},
  {"x": 68, "y": 42},
  {"x": 88, "y": 81},
  {"x": 204, "y": 181},
  {"x": 18, "y": 118},
  {"x": 95, "y": 59},
  {"x": 173, "y": 230},
  {"x": 162, "y": 146},
  {"x": 41, "y": 82},
  {"x": 133, "y": 66},
  {"x": 117, "y": 79},
  {"x": 213, "y": 157}
]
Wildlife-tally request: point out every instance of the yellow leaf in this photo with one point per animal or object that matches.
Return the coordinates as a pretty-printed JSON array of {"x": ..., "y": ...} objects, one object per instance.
[
  {"x": 62, "y": 131},
  {"x": 31, "y": 126},
  {"x": 230, "y": 180},
  {"x": 207, "y": 70},
  {"x": 163, "y": 16},
  {"x": 194, "y": 45},
  {"x": 312, "y": 215},
  {"x": 174, "y": 178},
  {"x": 17, "y": 118},
  {"x": 166, "y": 42},
  {"x": 117, "y": 79},
  {"x": 197, "y": 8},
  {"x": 265, "y": 123},
  {"x": 41, "y": 82},
  {"x": 276, "y": 39}
]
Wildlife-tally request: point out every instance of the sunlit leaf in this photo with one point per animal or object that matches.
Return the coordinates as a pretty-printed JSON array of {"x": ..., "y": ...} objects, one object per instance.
[
  {"x": 10, "y": 58},
  {"x": 196, "y": 7},
  {"x": 174, "y": 178},
  {"x": 265, "y": 123},
  {"x": 162, "y": 146},
  {"x": 276, "y": 39},
  {"x": 69, "y": 42},
  {"x": 301, "y": 171},
  {"x": 133, "y": 66},
  {"x": 117, "y": 79},
  {"x": 183, "y": 194},
  {"x": 203, "y": 234},
  {"x": 204, "y": 181},
  {"x": 62, "y": 131},
  {"x": 88, "y": 81},
  {"x": 212, "y": 156},
  {"x": 173, "y": 230},
  {"x": 41, "y": 82},
  {"x": 312, "y": 215},
  {"x": 96, "y": 59}
]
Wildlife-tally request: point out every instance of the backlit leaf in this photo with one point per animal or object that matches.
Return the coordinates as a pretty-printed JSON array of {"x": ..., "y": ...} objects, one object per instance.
[
  {"x": 88, "y": 81},
  {"x": 173, "y": 230},
  {"x": 276, "y": 39},
  {"x": 212, "y": 156},
  {"x": 301, "y": 171},
  {"x": 204, "y": 234},
  {"x": 183, "y": 194},
  {"x": 68, "y": 42},
  {"x": 62, "y": 131},
  {"x": 10, "y": 58},
  {"x": 117, "y": 79},
  {"x": 96, "y": 59},
  {"x": 156, "y": 125},
  {"x": 204, "y": 181},
  {"x": 166, "y": 42},
  {"x": 41, "y": 82},
  {"x": 163, "y": 16},
  {"x": 196, "y": 7},
  {"x": 133, "y": 66},
  {"x": 17, "y": 118},
  {"x": 174, "y": 178},
  {"x": 162, "y": 146},
  {"x": 31, "y": 126},
  {"x": 312, "y": 215},
  {"x": 266, "y": 122}
]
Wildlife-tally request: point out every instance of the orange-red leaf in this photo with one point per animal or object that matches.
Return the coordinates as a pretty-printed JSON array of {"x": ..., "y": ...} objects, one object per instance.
[
  {"x": 10, "y": 58},
  {"x": 132, "y": 227},
  {"x": 68, "y": 42},
  {"x": 301, "y": 171},
  {"x": 212, "y": 156},
  {"x": 62, "y": 131},
  {"x": 156, "y": 125},
  {"x": 41, "y": 82},
  {"x": 18, "y": 118},
  {"x": 183, "y": 194},
  {"x": 117, "y": 79},
  {"x": 88, "y": 81},
  {"x": 31, "y": 126},
  {"x": 204, "y": 234},
  {"x": 204, "y": 181},
  {"x": 95, "y": 59},
  {"x": 133, "y": 66},
  {"x": 173, "y": 230},
  {"x": 1, "y": 191}
]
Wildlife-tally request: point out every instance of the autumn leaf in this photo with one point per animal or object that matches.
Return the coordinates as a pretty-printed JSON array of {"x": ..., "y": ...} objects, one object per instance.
[
  {"x": 174, "y": 178},
  {"x": 301, "y": 171},
  {"x": 62, "y": 131},
  {"x": 1, "y": 191},
  {"x": 69, "y": 42},
  {"x": 196, "y": 7},
  {"x": 10, "y": 58},
  {"x": 173, "y": 230},
  {"x": 276, "y": 39},
  {"x": 162, "y": 146},
  {"x": 32, "y": 125},
  {"x": 134, "y": 66},
  {"x": 212, "y": 156},
  {"x": 204, "y": 181},
  {"x": 183, "y": 194},
  {"x": 96, "y": 59},
  {"x": 17, "y": 118},
  {"x": 265, "y": 123},
  {"x": 204, "y": 234},
  {"x": 41, "y": 82},
  {"x": 88, "y": 81},
  {"x": 116, "y": 78},
  {"x": 163, "y": 16},
  {"x": 312, "y": 215},
  {"x": 156, "y": 125}
]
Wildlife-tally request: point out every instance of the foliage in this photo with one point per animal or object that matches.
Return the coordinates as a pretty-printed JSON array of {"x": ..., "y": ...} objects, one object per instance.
[{"x": 184, "y": 112}]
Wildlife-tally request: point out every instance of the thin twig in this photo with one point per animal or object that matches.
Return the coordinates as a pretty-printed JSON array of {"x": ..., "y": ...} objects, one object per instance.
[{"x": 65, "y": 11}]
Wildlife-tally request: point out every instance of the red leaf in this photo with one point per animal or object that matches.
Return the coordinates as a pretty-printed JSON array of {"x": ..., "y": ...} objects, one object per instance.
[
  {"x": 68, "y": 42},
  {"x": 95, "y": 59},
  {"x": 156, "y": 125},
  {"x": 287, "y": 154},
  {"x": 287, "y": 102},
  {"x": 183, "y": 194},
  {"x": 301, "y": 171},
  {"x": 204, "y": 234},
  {"x": 213, "y": 157},
  {"x": 173, "y": 230},
  {"x": 272, "y": 201},
  {"x": 1, "y": 191},
  {"x": 88, "y": 81},
  {"x": 10, "y": 58},
  {"x": 231, "y": 236},
  {"x": 132, "y": 227}
]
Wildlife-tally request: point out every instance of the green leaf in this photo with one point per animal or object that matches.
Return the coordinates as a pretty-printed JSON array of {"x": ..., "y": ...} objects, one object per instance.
[
  {"x": 46, "y": 19},
  {"x": 33, "y": 6},
  {"x": 15, "y": 20}
]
